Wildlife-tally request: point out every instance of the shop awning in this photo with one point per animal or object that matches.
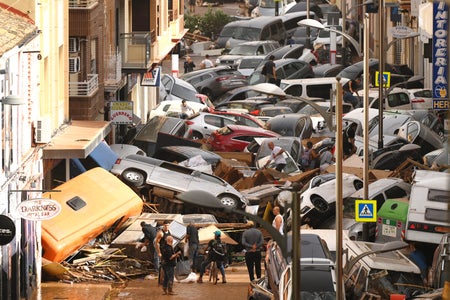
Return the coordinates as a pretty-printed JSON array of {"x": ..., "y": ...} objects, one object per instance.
[{"x": 77, "y": 140}]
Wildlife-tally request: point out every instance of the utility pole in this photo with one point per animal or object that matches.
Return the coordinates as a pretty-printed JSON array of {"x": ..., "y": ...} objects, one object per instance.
[{"x": 381, "y": 53}]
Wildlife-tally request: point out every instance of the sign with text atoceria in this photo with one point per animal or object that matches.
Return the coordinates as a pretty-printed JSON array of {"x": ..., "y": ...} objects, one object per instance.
[{"x": 38, "y": 209}]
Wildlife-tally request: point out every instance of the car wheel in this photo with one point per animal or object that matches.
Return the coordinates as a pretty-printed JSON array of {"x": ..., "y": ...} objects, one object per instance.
[
  {"x": 319, "y": 203},
  {"x": 197, "y": 135},
  {"x": 228, "y": 201},
  {"x": 358, "y": 184},
  {"x": 133, "y": 177}
]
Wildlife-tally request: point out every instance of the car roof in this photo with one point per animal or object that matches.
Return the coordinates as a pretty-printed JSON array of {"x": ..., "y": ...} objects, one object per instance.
[
  {"x": 314, "y": 81},
  {"x": 204, "y": 71},
  {"x": 251, "y": 129},
  {"x": 189, "y": 151}
]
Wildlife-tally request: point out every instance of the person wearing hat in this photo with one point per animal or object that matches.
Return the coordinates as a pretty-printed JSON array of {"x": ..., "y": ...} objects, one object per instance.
[{"x": 216, "y": 254}]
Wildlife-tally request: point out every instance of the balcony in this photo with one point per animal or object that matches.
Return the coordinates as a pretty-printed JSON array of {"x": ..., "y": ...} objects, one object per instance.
[
  {"x": 85, "y": 88},
  {"x": 82, "y": 4},
  {"x": 113, "y": 72},
  {"x": 136, "y": 51}
]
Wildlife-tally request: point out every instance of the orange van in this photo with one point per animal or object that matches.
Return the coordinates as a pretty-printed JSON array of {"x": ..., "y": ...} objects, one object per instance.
[{"x": 91, "y": 203}]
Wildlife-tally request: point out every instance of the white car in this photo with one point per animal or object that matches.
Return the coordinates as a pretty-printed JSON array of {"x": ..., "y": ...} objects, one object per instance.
[
  {"x": 318, "y": 197},
  {"x": 172, "y": 108},
  {"x": 421, "y": 98},
  {"x": 203, "y": 124}
]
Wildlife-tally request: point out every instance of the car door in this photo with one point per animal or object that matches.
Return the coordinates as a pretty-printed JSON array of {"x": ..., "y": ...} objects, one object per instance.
[
  {"x": 171, "y": 176},
  {"x": 214, "y": 122}
]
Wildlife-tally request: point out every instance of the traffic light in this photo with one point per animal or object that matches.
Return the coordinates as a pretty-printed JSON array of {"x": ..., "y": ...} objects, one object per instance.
[{"x": 372, "y": 6}]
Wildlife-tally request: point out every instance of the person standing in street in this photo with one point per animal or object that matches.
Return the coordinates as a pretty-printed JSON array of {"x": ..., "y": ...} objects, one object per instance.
[
  {"x": 189, "y": 65},
  {"x": 160, "y": 240},
  {"x": 277, "y": 157},
  {"x": 206, "y": 63},
  {"x": 169, "y": 257},
  {"x": 192, "y": 240},
  {"x": 252, "y": 240},
  {"x": 148, "y": 241},
  {"x": 278, "y": 221},
  {"x": 192, "y": 6},
  {"x": 216, "y": 254}
]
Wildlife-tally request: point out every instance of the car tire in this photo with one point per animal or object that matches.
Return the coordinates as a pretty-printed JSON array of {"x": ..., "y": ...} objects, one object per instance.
[
  {"x": 320, "y": 204},
  {"x": 133, "y": 177},
  {"x": 197, "y": 135},
  {"x": 228, "y": 200}
]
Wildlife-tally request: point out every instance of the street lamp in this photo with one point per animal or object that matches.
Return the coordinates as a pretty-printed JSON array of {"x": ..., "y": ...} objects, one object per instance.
[{"x": 316, "y": 24}]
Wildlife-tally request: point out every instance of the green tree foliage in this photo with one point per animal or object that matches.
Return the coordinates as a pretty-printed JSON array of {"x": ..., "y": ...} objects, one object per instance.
[{"x": 210, "y": 24}]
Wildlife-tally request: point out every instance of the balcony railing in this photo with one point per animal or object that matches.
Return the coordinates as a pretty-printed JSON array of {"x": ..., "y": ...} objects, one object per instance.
[
  {"x": 85, "y": 88},
  {"x": 135, "y": 48},
  {"x": 82, "y": 4},
  {"x": 113, "y": 72}
]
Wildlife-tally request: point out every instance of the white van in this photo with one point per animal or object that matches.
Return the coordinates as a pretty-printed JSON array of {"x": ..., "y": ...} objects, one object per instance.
[
  {"x": 311, "y": 87},
  {"x": 429, "y": 214}
]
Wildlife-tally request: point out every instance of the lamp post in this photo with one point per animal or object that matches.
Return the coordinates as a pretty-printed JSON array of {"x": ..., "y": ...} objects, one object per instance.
[{"x": 316, "y": 24}]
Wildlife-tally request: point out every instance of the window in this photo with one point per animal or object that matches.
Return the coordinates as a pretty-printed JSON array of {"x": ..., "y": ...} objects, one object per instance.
[
  {"x": 295, "y": 90},
  {"x": 395, "y": 192},
  {"x": 319, "y": 90}
]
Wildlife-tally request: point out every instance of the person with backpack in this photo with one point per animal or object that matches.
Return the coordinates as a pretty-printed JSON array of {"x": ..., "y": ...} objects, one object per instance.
[{"x": 216, "y": 250}]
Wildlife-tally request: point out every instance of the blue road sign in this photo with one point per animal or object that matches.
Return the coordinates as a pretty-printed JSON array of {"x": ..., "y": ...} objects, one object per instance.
[{"x": 366, "y": 210}]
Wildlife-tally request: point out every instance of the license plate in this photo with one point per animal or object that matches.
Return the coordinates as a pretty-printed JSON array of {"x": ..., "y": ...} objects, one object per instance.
[{"x": 389, "y": 230}]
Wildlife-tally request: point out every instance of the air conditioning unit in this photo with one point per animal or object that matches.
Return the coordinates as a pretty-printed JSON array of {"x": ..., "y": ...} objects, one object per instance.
[
  {"x": 43, "y": 130},
  {"x": 74, "y": 44},
  {"x": 74, "y": 64}
]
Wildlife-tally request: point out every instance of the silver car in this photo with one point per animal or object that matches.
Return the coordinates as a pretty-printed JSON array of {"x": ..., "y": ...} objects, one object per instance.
[{"x": 137, "y": 170}]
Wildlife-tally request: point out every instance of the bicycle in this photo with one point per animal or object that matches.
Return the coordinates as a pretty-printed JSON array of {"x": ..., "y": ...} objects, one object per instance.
[{"x": 213, "y": 272}]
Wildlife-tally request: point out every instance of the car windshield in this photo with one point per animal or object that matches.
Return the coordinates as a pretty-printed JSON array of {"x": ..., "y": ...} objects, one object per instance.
[
  {"x": 244, "y": 50},
  {"x": 185, "y": 93},
  {"x": 227, "y": 31},
  {"x": 246, "y": 33},
  {"x": 249, "y": 63}
]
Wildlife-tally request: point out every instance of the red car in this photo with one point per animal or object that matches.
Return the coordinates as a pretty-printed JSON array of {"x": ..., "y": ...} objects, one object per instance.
[{"x": 234, "y": 138}]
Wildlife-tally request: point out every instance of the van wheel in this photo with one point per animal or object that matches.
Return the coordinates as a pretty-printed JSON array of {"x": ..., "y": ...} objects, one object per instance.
[
  {"x": 133, "y": 177},
  {"x": 319, "y": 203},
  {"x": 228, "y": 201}
]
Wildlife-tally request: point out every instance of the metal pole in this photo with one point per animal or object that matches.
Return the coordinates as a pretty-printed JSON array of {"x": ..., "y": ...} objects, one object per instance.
[
  {"x": 333, "y": 45},
  {"x": 381, "y": 54},
  {"x": 365, "y": 233},
  {"x": 296, "y": 244},
  {"x": 339, "y": 212}
]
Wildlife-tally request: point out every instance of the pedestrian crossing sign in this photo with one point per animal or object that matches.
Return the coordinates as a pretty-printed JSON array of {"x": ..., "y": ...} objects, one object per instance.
[
  {"x": 385, "y": 79},
  {"x": 366, "y": 210}
]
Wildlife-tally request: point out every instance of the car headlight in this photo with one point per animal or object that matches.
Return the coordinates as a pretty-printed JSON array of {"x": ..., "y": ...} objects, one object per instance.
[
  {"x": 228, "y": 45},
  {"x": 218, "y": 61},
  {"x": 237, "y": 62}
]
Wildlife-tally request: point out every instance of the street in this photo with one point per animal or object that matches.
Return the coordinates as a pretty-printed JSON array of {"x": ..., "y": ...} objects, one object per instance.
[{"x": 140, "y": 288}]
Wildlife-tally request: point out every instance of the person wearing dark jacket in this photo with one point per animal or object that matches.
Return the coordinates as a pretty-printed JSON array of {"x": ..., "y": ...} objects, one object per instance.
[
  {"x": 252, "y": 240},
  {"x": 169, "y": 257}
]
